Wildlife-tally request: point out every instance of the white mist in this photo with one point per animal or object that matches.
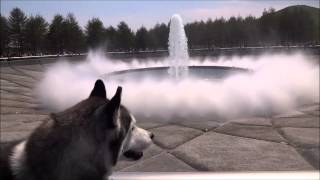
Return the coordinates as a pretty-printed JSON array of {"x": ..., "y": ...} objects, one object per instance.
[{"x": 280, "y": 82}]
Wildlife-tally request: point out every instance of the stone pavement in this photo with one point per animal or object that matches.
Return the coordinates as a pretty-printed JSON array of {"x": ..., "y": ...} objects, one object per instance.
[{"x": 288, "y": 141}]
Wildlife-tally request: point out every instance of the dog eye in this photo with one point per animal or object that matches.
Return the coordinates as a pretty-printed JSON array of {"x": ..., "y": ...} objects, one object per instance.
[{"x": 132, "y": 128}]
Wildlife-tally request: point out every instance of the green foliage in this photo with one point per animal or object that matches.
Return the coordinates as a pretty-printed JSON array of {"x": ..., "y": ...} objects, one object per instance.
[
  {"x": 35, "y": 34},
  {"x": 95, "y": 33},
  {"x": 158, "y": 37},
  {"x": 140, "y": 42},
  {"x": 72, "y": 35},
  {"x": 56, "y": 35},
  {"x": 4, "y": 36},
  {"x": 298, "y": 24},
  {"x": 17, "y": 21},
  {"x": 111, "y": 40},
  {"x": 294, "y": 25},
  {"x": 124, "y": 37}
]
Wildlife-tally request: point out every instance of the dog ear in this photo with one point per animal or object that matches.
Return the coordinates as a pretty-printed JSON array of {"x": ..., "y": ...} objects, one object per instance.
[
  {"x": 108, "y": 114},
  {"x": 99, "y": 90},
  {"x": 114, "y": 107}
]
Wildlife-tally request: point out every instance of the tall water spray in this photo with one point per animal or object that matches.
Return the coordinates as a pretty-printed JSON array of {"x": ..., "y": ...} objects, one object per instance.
[{"x": 178, "y": 49}]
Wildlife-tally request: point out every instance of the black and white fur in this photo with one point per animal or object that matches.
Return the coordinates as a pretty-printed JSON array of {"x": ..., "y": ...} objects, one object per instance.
[{"x": 83, "y": 142}]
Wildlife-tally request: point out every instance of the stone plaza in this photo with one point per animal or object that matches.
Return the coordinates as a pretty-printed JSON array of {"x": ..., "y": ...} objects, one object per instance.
[{"x": 285, "y": 142}]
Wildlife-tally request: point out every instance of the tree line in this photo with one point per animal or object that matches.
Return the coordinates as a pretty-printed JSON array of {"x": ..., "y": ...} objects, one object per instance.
[{"x": 33, "y": 35}]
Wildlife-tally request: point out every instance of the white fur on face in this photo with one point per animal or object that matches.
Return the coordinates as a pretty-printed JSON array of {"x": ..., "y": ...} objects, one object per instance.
[
  {"x": 140, "y": 139},
  {"x": 18, "y": 156},
  {"x": 137, "y": 138}
]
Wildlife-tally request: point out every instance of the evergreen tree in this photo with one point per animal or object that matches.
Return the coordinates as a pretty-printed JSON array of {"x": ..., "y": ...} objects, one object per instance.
[
  {"x": 35, "y": 32},
  {"x": 73, "y": 35},
  {"x": 158, "y": 37},
  {"x": 4, "y": 35},
  {"x": 17, "y": 21},
  {"x": 295, "y": 25},
  {"x": 111, "y": 38},
  {"x": 125, "y": 37},
  {"x": 141, "y": 39},
  {"x": 56, "y": 35},
  {"x": 95, "y": 33}
]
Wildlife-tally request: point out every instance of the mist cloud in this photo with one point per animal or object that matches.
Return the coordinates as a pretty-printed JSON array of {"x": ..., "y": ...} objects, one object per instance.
[{"x": 278, "y": 83}]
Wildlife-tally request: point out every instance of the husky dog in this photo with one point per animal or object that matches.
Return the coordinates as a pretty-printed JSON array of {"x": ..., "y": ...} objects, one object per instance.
[{"x": 83, "y": 142}]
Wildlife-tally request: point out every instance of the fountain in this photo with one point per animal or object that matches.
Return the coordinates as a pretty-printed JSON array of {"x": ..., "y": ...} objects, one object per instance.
[
  {"x": 178, "y": 49},
  {"x": 207, "y": 89},
  {"x": 178, "y": 62}
]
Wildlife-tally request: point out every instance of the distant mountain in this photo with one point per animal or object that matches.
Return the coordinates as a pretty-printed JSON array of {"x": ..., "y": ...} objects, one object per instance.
[
  {"x": 298, "y": 23},
  {"x": 312, "y": 12},
  {"x": 299, "y": 7}
]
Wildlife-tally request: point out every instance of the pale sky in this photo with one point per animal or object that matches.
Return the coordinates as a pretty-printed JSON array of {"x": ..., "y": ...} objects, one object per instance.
[{"x": 147, "y": 13}]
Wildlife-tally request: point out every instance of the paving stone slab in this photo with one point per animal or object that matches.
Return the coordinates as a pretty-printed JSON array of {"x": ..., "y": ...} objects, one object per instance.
[
  {"x": 6, "y": 125},
  {"x": 19, "y": 92},
  {"x": 4, "y": 82},
  {"x": 10, "y": 123},
  {"x": 314, "y": 113},
  {"x": 22, "y": 83},
  {"x": 219, "y": 152},
  {"x": 312, "y": 156},
  {"x": 33, "y": 74},
  {"x": 315, "y": 107},
  {"x": 3, "y": 91},
  {"x": 307, "y": 122},
  {"x": 172, "y": 135},
  {"x": 16, "y": 110},
  {"x": 19, "y": 126},
  {"x": 149, "y": 125},
  {"x": 7, "y": 70},
  {"x": 11, "y": 103},
  {"x": 35, "y": 67},
  {"x": 257, "y": 121},
  {"x": 256, "y": 132},
  {"x": 293, "y": 113},
  {"x": 16, "y": 84},
  {"x": 17, "y": 77},
  {"x": 16, "y": 89},
  {"x": 23, "y": 117},
  {"x": 148, "y": 153},
  {"x": 302, "y": 137},
  {"x": 46, "y": 66},
  {"x": 13, "y": 135},
  {"x": 203, "y": 125},
  {"x": 163, "y": 162},
  {"x": 18, "y": 97}
]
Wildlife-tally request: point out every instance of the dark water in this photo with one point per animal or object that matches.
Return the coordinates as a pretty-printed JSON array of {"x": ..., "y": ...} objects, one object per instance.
[{"x": 161, "y": 73}]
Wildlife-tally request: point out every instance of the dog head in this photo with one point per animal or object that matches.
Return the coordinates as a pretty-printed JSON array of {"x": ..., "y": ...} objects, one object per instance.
[
  {"x": 104, "y": 123},
  {"x": 130, "y": 140},
  {"x": 85, "y": 140}
]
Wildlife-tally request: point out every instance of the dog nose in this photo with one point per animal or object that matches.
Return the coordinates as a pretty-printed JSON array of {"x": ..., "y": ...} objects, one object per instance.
[{"x": 151, "y": 135}]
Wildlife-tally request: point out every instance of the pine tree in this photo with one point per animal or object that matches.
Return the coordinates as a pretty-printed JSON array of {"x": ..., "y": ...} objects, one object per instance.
[
  {"x": 140, "y": 41},
  {"x": 73, "y": 35},
  {"x": 17, "y": 21},
  {"x": 55, "y": 35},
  {"x": 4, "y": 33},
  {"x": 125, "y": 37},
  {"x": 35, "y": 32},
  {"x": 95, "y": 33}
]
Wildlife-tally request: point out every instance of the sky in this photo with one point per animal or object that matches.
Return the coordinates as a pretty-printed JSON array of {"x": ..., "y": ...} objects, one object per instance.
[{"x": 147, "y": 13}]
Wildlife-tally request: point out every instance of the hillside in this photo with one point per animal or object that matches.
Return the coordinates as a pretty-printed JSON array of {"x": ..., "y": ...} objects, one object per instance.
[{"x": 295, "y": 23}]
